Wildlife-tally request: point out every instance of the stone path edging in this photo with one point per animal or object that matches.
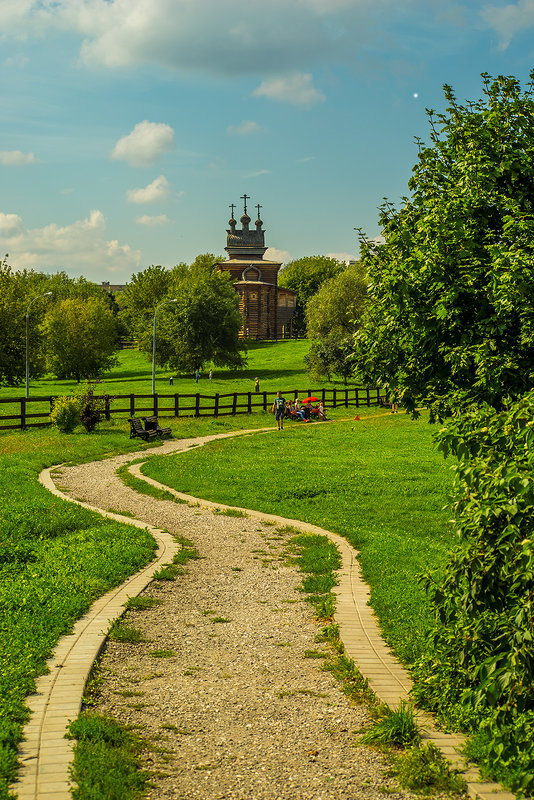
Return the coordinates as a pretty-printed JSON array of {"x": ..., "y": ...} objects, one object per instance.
[{"x": 45, "y": 753}]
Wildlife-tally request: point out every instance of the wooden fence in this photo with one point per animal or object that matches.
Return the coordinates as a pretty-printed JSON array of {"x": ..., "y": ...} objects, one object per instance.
[{"x": 35, "y": 411}]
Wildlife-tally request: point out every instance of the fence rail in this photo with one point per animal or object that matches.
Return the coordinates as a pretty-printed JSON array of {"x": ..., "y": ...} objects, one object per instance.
[{"x": 181, "y": 405}]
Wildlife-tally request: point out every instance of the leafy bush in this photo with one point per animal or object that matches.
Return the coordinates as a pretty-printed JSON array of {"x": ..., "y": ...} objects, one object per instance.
[
  {"x": 478, "y": 666},
  {"x": 422, "y": 769},
  {"x": 66, "y": 413},
  {"x": 91, "y": 409}
]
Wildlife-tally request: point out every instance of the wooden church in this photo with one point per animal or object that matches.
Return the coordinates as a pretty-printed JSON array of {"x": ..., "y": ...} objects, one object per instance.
[{"x": 266, "y": 308}]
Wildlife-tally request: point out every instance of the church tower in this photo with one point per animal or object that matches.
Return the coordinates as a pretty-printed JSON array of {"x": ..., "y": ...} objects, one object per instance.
[{"x": 266, "y": 309}]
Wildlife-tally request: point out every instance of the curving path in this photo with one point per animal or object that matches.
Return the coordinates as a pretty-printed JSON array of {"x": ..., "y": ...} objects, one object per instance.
[{"x": 236, "y": 710}]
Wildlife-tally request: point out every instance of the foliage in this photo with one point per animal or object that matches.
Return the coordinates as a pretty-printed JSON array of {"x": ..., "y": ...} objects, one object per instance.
[
  {"x": 81, "y": 337},
  {"x": 66, "y": 413},
  {"x": 305, "y": 276},
  {"x": 15, "y": 296},
  {"x": 397, "y": 727},
  {"x": 478, "y": 665},
  {"x": 423, "y": 769},
  {"x": 202, "y": 326},
  {"x": 337, "y": 306},
  {"x": 330, "y": 356},
  {"x": 106, "y": 760},
  {"x": 91, "y": 408},
  {"x": 451, "y": 312}
]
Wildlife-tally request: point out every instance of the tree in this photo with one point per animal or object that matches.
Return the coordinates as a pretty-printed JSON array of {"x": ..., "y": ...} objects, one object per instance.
[
  {"x": 450, "y": 315},
  {"x": 16, "y": 291},
  {"x": 336, "y": 308},
  {"x": 305, "y": 276},
  {"x": 81, "y": 337},
  {"x": 329, "y": 356},
  {"x": 142, "y": 295}
]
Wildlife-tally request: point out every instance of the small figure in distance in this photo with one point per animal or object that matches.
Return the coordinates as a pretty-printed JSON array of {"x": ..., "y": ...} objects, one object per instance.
[
  {"x": 210, "y": 375},
  {"x": 279, "y": 410},
  {"x": 321, "y": 411},
  {"x": 394, "y": 404},
  {"x": 197, "y": 375},
  {"x": 256, "y": 385},
  {"x": 171, "y": 380}
]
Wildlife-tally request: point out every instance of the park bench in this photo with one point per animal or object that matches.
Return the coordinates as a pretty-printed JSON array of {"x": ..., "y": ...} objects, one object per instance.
[
  {"x": 152, "y": 425},
  {"x": 136, "y": 429}
]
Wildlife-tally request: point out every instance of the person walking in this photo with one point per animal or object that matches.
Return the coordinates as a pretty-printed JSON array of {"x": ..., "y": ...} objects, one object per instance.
[
  {"x": 197, "y": 375},
  {"x": 210, "y": 375},
  {"x": 256, "y": 385},
  {"x": 279, "y": 410}
]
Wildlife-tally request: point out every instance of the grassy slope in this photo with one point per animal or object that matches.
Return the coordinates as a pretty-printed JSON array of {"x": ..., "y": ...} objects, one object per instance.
[
  {"x": 276, "y": 365},
  {"x": 378, "y": 482}
]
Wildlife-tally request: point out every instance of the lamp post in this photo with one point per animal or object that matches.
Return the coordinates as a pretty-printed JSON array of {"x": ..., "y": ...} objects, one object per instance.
[
  {"x": 46, "y": 294},
  {"x": 174, "y": 300}
]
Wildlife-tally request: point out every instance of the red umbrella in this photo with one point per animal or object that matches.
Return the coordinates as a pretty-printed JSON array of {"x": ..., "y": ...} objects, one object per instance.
[{"x": 311, "y": 400}]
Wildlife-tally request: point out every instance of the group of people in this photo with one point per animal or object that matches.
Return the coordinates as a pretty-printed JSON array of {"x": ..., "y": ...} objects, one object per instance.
[{"x": 296, "y": 410}]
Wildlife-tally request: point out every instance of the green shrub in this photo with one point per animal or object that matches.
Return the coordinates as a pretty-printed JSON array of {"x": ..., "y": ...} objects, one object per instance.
[
  {"x": 478, "y": 666},
  {"x": 422, "y": 768},
  {"x": 66, "y": 413}
]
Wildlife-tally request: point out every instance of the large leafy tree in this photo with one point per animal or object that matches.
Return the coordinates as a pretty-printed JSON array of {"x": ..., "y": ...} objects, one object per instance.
[
  {"x": 17, "y": 289},
  {"x": 81, "y": 337},
  {"x": 305, "y": 276},
  {"x": 451, "y": 297}
]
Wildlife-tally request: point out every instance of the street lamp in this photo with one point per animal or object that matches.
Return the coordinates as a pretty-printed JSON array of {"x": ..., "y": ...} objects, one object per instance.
[
  {"x": 175, "y": 300},
  {"x": 46, "y": 294}
]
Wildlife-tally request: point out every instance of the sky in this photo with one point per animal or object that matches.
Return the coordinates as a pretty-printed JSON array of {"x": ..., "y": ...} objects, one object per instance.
[{"x": 128, "y": 127}]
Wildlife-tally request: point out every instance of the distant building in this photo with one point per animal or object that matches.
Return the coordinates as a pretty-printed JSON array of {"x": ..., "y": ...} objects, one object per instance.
[
  {"x": 266, "y": 308},
  {"x": 113, "y": 287}
]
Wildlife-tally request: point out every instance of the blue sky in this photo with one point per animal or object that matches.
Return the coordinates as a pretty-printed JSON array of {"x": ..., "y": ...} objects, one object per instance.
[{"x": 129, "y": 126}]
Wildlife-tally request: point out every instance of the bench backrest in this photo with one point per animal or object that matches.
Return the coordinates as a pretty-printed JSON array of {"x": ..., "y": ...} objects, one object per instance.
[{"x": 136, "y": 424}]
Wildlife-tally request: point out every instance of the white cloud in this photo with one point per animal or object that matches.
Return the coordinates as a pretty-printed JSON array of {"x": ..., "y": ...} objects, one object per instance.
[
  {"x": 234, "y": 37},
  {"x": 296, "y": 89},
  {"x": 16, "y": 158},
  {"x": 346, "y": 257},
  {"x": 508, "y": 20},
  {"x": 306, "y": 159},
  {"x": 145, "y": 144},
  {"x": 81, "y": 247},
  {"x": 155, "y": 192},
  {"x": 146, "y": 219},
  {"x": 257, "y": 173},
  {"x": 281, "y": 256},
  {"x": 246, "y": 128}
]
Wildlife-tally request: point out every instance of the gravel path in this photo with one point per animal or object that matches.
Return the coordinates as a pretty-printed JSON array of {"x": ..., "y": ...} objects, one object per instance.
[{"x": 236, "y": 710}]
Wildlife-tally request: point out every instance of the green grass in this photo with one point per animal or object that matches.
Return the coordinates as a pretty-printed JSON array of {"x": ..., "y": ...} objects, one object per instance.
[
  {"x": 106, "y": 760},
  {"x": 277, "y": 365},
  {"x": 378, "y": 482}
]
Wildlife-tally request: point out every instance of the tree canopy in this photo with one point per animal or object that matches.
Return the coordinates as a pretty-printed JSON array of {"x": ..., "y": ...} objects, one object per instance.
[
  {"x": 81, "y": 337},
  {"x": 450, "y": 318},
  {"x": 203, "y": 325},
  {"x": 336, "y": 308},
  {"x": 305, "y": 276}
]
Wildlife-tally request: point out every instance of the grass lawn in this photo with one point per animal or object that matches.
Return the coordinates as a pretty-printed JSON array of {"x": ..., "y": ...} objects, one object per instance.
[
  {"x": 277, "y": 365},
  {"x": 377, "y": 482}
]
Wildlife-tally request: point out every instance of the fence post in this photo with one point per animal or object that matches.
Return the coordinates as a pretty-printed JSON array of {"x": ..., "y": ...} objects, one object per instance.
[
  {"x": 132, "y": 405},
  {"x": 357, "y": 397},
  {"x": 346, "y": 398},
  {"x": 265, "y": 401},
  {"x": 334, "y": 400},
  {"x": 216, "y": 407},
  {"x": 368, "y": 398},
  {"x": 323, "y": 397},
  {"x": 176, "y": 404},
  {"x": 155, "y": 405},
  {"x": 249, "y": 403},
  {"x": 22, "y": 412},
  {"x": 107, "y": 412},
  {"x": 197, "y": 405},
  {"x": 234, "y": 404}
]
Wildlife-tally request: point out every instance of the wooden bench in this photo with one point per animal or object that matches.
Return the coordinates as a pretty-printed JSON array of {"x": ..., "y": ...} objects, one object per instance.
[
  {"x": 136, "y": 429},
  {"x": 152, "y": 426}
]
